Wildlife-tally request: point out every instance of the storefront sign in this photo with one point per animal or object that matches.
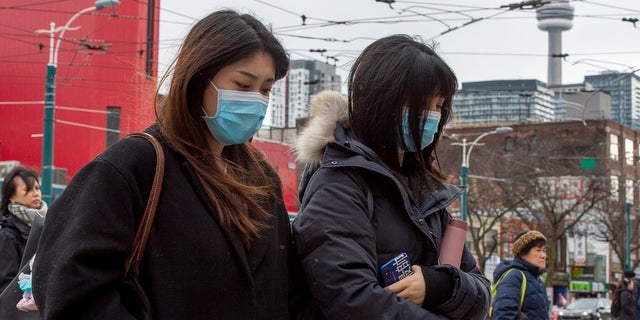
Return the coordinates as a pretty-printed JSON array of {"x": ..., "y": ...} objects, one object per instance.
[
  {"x": 584, "y": 286},
  {"x": 580, "y": 286},
  {"x": 583, "y": 273}
]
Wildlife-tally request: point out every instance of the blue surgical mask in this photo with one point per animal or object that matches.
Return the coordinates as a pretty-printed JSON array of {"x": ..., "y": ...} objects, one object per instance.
[
  {"x": 428, "y": 132},
  {"x": 238, "y": 117}
]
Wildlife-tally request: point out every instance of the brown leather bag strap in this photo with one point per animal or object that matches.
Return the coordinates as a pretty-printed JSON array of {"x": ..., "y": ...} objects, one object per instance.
[{"x": 140, "y": 240}]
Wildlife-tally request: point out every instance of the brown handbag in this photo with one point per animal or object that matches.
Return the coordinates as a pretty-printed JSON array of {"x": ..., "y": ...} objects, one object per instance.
[{"x": 132, "y": 293}]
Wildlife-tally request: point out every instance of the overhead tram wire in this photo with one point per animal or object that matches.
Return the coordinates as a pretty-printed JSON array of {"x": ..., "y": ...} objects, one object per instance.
[{"x": 609, "y": 6}]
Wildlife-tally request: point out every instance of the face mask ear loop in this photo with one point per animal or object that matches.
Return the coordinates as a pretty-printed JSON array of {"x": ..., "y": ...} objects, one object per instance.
[
  {"x": 204, "y": 111},
  {"x": 217, "y": 100},
  {"x": 214, "y": 86}
]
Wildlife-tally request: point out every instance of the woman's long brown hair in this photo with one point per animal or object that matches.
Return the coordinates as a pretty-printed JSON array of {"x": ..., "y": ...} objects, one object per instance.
[{"x": 240, "y": 194}]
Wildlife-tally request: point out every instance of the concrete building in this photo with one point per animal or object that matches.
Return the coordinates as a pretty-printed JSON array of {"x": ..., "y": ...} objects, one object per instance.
[
  {"x": 322, "y": 76},
  {"x": 290, "y": 97},
  {"x": 624, "y": 89},
  {"x": 503, "y": 101},
  {"x": 580, "y": 101}
]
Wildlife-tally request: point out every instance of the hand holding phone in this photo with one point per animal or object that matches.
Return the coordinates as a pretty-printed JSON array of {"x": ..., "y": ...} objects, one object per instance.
[{"x": 396, "y": 269}]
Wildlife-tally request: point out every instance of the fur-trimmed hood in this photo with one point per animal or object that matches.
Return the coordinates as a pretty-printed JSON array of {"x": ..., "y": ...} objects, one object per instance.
[{"x": 327, "y": 108}]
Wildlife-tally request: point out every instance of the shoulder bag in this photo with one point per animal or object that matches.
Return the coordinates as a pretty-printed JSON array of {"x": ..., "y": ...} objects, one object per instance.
[{"x": 132, "y": 293}]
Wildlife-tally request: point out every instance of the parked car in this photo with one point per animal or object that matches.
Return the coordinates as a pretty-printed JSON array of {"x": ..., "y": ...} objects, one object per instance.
[{"x": 587, "y": 309}]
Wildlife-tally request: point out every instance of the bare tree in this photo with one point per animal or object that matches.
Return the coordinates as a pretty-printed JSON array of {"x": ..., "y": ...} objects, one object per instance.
[
  {"x": 537, "y": 183},
  {"x": 487, "y": 212},
  {"x": 614, "y": 220},
  {"x": 554, "y": 194}
]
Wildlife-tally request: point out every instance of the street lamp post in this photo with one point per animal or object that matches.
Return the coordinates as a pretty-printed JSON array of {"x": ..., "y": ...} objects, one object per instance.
[
  {"x": 464, "y": 168},
  {"x": 50, "y": 95},
  {"x": 627, "y": 236}
]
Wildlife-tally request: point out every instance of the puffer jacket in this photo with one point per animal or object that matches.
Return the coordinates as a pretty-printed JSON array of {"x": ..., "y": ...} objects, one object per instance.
[
  {"x": 507, "y": 299},
  {"x": 342, "y": 242}
]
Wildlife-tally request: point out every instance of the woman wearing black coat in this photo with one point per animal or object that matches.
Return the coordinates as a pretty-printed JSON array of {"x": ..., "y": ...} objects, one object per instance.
[
  {"x": 371, "y": 192},
  {"x": 20, "y": 206},
  {"x": 627, "y": 300},
  {"x": 218, "y": 247}
]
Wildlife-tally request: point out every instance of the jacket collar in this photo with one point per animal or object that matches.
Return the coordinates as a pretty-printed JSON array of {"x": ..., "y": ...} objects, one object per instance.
[
  {"x": 327, "y": 109},
  {"x": 11, "y": 221}
]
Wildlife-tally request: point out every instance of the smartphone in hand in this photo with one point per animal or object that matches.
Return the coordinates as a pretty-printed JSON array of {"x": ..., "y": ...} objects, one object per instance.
[{"x": 396, "y": 269}]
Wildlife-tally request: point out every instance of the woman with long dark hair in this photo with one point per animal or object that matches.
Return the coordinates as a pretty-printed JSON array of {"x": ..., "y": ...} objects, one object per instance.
[
  {"x": 218, "y": 247},
  {"x": 372, "y": 190}
]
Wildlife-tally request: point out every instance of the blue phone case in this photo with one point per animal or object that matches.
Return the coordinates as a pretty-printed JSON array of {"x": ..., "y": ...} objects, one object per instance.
[{"x": 396, "y": 269}]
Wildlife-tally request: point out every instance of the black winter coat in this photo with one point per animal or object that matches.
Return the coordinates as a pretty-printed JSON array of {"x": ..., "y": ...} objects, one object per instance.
[
  {"x": 13, "y": 238},
  {"x": 12, "y": 293},
  {"x": 627, "y": 305},
  {"x": 195, "y": 267},
  {"x": 342, "y": 243}
]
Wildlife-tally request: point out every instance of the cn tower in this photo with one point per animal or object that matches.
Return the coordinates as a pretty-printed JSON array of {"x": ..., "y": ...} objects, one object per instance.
[{"x": 554, "y": 18}]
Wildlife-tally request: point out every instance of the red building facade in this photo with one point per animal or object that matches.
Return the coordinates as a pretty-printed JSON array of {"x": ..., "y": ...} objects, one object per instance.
[
  {"x": 280, "y": 156},
  {"x": 106, "y": 78}
]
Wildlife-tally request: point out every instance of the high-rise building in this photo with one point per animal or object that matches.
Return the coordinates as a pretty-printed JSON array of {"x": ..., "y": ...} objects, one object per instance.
[
  {"x": 580, "y": 101},
  {"x": 503, "y": 101},
  {"x": 624, "y": 89},
  {"x": 289, "y": 99},
  {"x": 291, "y": 95},
  {"x": 322, "y": 76}
]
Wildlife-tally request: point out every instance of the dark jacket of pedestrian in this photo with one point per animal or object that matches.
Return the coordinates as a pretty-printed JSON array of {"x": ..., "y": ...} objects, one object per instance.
[
  {"x": 21, "y": 204},
  {"x": 12, "y": 293},
  {"x": 628, "y": 300},
  {"x": 342, "y": 243},
  {"x": 13, "y": 238},
  {"x": 194, "y": 267},
  {"x": 507, "y": 299},
  {"x": 530, "y": 257}
]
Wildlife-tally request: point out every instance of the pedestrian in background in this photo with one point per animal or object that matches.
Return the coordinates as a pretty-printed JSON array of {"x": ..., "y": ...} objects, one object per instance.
[
  {"x": 218, "y": 247},
  {"x": 20, "y": 205},
  {"x": 372, "y": 189},
  {"x": 530, "y": 252},
  {"x": 636, "y": 290},
  {"x": 627, "y": 298}
]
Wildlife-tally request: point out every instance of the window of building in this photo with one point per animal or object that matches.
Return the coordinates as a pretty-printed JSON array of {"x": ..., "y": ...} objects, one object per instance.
[
  {"x": 614, "y": 188},
  {"x": 628, "y": 151},
  {"x": 613, "y": 147},
  {"x": 629, "y": 191},
  {"x": 508, "y": 144}
]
